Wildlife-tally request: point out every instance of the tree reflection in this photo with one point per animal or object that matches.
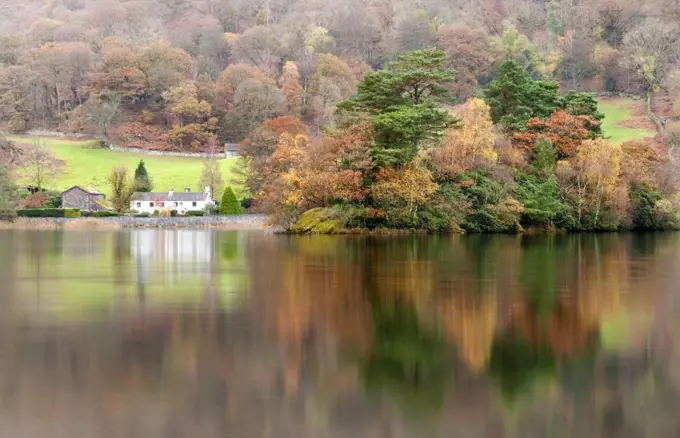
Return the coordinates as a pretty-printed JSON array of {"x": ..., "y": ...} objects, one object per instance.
[{"x": 406, "y": 359}]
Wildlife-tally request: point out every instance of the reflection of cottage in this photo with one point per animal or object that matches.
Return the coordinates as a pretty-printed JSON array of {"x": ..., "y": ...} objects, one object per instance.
[
  {"x": 84, "y": 198},
  {"x": 181, "y": 201},
  {"x": 231, "y": 150}
]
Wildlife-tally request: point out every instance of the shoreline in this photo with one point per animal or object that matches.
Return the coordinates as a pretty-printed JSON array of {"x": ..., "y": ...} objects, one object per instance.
[{"x": 241, "y": 222}]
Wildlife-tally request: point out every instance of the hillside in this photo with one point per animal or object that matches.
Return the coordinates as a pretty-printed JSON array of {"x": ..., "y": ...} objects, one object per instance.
[
  {"x": 178, "y": 74},
  {"x": 86, "y": 164}
]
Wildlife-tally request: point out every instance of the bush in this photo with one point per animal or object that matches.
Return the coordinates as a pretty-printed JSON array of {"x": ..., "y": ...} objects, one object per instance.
[
  {"x": 143, "y": 215},
  {"x": 246, "y": 203},
  {"x": 173, "y": 213},
  {"x": 72, "y": 213},
  {"x": 196, "y": 213},
  {"x": 105, "y": 213},
  {"x": 156, "y": 213},
  {"x": 41, "y": 212}
]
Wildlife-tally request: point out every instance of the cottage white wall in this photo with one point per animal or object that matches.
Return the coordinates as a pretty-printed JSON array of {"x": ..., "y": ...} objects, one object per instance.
[{"x": 181, "y": 207}]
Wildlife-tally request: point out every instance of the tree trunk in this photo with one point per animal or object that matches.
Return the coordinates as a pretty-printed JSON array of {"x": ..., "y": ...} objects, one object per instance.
[{"x": 653, "y": 117}]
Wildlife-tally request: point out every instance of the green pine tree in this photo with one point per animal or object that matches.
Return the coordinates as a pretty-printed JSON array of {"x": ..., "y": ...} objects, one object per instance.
[
  {"x": 142, "y": 180},
  {"x": 8, "y": 195},
  {"x": 404, "y": 103},
  {"x": 514, "y": 97},
  {"x": 229, "y": 205}
]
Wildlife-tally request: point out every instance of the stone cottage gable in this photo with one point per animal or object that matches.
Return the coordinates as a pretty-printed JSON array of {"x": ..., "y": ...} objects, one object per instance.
[{"x": 82, "y": 198}]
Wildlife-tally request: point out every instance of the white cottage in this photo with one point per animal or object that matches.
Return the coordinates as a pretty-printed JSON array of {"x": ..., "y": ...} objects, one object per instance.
[{"x": 143, "y": 202}]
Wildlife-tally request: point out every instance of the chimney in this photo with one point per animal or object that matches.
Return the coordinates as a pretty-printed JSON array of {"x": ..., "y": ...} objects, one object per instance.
[
  {"x": 171, "y": 192},
  {"x": 187, "y": 190}
]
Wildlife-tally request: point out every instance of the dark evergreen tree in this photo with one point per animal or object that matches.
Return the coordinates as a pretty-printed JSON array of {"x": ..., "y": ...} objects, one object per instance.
[{"x": 142, "y": 180}]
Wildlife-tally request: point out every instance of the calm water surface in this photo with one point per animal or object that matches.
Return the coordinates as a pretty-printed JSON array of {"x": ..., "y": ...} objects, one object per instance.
[{"x": 205, "y": 334}]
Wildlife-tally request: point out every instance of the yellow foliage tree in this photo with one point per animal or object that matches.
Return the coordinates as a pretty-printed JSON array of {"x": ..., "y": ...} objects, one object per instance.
[
  {"x": 410, "y": 187},
  {"x": 593, "y": 175},
  {"x": 470, "y": 146}
]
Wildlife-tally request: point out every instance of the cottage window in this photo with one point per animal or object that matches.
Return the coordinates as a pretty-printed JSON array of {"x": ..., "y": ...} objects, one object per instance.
[
  {"x": 161, "y": 204},
  {"x": 181, "y": 203},
  {"x": 151, "y": 204},
  {"x": 139, "y": 205},
  {"x": 176, "y": 204},
  {"x": 193, "y": 204}
]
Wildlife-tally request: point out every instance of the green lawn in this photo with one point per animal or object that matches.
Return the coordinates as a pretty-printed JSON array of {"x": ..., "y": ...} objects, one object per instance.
[
  {"x": 617, "y": 111},
  {"x": 88, "y": 165}
]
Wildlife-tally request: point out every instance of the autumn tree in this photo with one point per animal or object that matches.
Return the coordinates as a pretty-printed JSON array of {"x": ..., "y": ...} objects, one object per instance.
[
  {"x": 564, "y": 131},
  {"x": 467, "y": 147},
  {"x": 122, "y": 188},
  {"x": 290, "y": 85},
  {"x": 101, "y": 109},
  {"x": 261, "y": 143},
  {"x": 652, "y": 48},
  {"x": 211, "y": 176},
  {"x": 591, "y": 179},
  {"x": 40, "y": 167},
  {"x": 249, "y": 97},
  {"x": 467, "y": 52},
  {"x": 402, "y": 101},
  {"x": 163, "y": 67},
  {"x": 333, "y": 82},
  {"x": 409, "y": 188}
]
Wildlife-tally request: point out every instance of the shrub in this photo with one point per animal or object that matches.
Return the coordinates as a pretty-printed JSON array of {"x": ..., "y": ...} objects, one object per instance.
[
  {"x": 156, "y": 213},
  {"x": 196, "y": 213},
  {"x": 87, "y": 213},
  {"x": 143, "y": 215},
  {"x": 229, "y": 204},
  {"x": 72, "y": 213},
  {"x": 246, "y": 203},
  {"x": 41, "y": 212},
  {"x": 173, "y": 213},
  {"x": 105, "y": 213}
]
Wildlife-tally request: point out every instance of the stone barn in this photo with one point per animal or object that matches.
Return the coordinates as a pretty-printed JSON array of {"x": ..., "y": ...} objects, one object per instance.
[{"x": 84, "y": 198}]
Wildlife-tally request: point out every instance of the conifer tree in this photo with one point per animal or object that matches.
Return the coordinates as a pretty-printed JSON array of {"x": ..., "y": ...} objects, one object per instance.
[
  {"x": 142, "y": 180},
  {"x": 229, "y": 205}
]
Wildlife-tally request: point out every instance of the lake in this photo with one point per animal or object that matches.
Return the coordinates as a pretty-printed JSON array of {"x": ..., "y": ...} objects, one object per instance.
[{"x": 188, "y": 333}]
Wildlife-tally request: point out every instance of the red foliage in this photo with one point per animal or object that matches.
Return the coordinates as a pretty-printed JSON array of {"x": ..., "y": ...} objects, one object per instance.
[
  {"x": 36, "y": 200},
  {"x": 565, "y": 131}
]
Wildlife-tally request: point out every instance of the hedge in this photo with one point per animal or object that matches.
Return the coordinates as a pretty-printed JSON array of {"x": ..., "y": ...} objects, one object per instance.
[
  {"x": 142, "y": 215},
  {"x": 105, "y": 213},
  {"x": 195, "y": 213},
  {"x": 49, "y": 212}
]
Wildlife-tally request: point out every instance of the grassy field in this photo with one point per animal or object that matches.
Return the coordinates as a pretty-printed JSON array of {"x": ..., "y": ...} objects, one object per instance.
[
  {"x": 88, "y": 165},
  {"x": 616, "y": 112}
]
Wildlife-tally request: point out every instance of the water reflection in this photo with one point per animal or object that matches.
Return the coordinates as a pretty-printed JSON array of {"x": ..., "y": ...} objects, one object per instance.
[{"x": 161, "y": 333}]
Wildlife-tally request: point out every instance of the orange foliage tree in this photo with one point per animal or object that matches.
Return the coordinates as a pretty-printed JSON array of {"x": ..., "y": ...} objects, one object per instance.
[{"x": 565, "y": 131}]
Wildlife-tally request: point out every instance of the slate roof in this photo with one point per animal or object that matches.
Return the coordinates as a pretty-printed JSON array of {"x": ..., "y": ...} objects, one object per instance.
[
  {"x": 165, "y": 196},
  {"x": 90, "y": 190}
]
